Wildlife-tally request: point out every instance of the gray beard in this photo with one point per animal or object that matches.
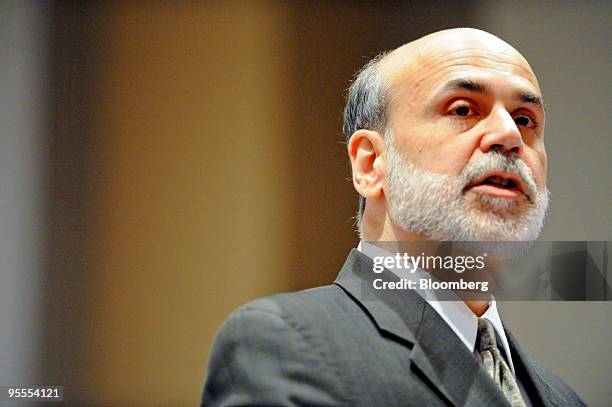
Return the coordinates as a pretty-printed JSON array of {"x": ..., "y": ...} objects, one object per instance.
[{"x": 435, "y": 206}]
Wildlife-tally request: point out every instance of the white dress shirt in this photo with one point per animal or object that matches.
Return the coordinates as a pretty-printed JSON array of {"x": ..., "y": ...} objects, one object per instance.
[{"x": 456, "y": 314}]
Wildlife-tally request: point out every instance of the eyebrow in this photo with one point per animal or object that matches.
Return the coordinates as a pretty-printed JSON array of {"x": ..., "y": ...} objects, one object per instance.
[
  {"x": 466, "y": 84},
  {"x": 530, "y": 98},
  {"x": 471, "y": 85}
]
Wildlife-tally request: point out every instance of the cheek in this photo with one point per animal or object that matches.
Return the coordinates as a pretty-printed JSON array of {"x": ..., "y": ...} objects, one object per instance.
[
  {"x": 538, "y": 163},
  {"x": 544, "y": 162},
  {"x": 442, "y": 156},
  {"x": 544, "y": 166},
  {"x": 444, "y": 161}
]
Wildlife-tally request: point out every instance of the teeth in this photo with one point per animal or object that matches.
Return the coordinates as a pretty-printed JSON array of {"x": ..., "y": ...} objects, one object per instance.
[{"x": 499, "y": 181}]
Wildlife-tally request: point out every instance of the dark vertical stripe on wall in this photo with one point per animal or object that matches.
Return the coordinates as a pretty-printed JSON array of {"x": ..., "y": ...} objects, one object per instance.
[{"x": 71, "y": 175}]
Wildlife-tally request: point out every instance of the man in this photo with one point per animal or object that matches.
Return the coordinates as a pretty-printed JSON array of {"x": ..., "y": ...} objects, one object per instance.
[{"x": 445, "y": 138}]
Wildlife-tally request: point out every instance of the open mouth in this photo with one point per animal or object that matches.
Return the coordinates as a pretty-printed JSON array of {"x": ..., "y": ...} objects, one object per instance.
[{"x": 499, "y": 184}]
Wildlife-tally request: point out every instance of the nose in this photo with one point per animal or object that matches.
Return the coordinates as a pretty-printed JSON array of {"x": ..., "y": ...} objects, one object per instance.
[{"x": 501, "y": 133}]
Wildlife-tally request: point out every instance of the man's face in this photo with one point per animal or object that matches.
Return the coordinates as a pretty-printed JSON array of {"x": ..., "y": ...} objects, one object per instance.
[{"x": 467, "y": 157}]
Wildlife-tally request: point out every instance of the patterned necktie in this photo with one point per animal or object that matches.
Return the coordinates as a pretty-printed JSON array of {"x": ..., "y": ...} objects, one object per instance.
[{"x": 495, "y": 365}]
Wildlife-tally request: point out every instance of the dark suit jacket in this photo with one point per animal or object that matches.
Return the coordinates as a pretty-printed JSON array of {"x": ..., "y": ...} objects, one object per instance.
[{"x": 349, "y": 344}]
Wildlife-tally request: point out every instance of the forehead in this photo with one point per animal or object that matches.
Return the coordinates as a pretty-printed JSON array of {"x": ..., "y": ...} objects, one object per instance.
[{"x": 423, "y": 66}]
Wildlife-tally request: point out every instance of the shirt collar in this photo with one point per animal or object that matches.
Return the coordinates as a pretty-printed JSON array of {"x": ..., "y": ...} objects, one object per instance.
[{"x": 455, "y": 313}]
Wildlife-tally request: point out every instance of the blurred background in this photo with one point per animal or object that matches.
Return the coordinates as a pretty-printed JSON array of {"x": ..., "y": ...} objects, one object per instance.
[{"x": 162, "y": 163}]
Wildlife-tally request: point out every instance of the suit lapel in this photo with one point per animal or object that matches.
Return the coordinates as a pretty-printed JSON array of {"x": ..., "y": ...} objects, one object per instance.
[
  {"x": 438, "y": 355},
  {"x": 389, "y": 313},
  {"x": 538, "y": 389}
]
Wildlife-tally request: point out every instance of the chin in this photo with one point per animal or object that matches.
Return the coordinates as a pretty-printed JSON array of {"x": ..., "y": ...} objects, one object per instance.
[
  {"x": 493, "y": 208},
  {"x": 504, "y": 226}
]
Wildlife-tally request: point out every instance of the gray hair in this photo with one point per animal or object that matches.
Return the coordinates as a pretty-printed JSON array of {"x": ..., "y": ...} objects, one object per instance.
[{"x": 365, "y": 108}]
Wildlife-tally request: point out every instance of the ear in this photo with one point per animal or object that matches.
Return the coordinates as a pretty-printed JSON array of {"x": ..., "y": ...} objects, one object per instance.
[{"x": 365, "y": 150}]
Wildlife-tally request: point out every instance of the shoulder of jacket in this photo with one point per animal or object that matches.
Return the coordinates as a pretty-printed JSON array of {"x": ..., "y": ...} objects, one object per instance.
[{"x": 293, "y": 304}]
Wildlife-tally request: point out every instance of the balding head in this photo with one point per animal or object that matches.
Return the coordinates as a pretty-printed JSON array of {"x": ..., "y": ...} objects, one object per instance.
[
  {"x": 438, "y": 46},
  {"x": 426, "y": 59}
]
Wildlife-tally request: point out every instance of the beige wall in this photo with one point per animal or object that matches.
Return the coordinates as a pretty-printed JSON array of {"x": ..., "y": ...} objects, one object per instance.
[
  {"x": 187, "y": 209},
  {"x": 193, "y": 211}
]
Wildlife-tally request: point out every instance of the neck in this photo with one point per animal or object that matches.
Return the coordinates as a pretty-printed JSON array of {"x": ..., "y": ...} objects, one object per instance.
[{"x": 478, "y": 307}]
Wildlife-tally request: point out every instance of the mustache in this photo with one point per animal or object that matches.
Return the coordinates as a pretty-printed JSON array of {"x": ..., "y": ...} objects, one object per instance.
[{"x": 495, "y": 161}]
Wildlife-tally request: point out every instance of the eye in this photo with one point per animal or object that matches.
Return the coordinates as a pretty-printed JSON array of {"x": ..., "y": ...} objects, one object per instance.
[
  {"x": 462, "y": 110},
  {"x": 525, "y": 121}
]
